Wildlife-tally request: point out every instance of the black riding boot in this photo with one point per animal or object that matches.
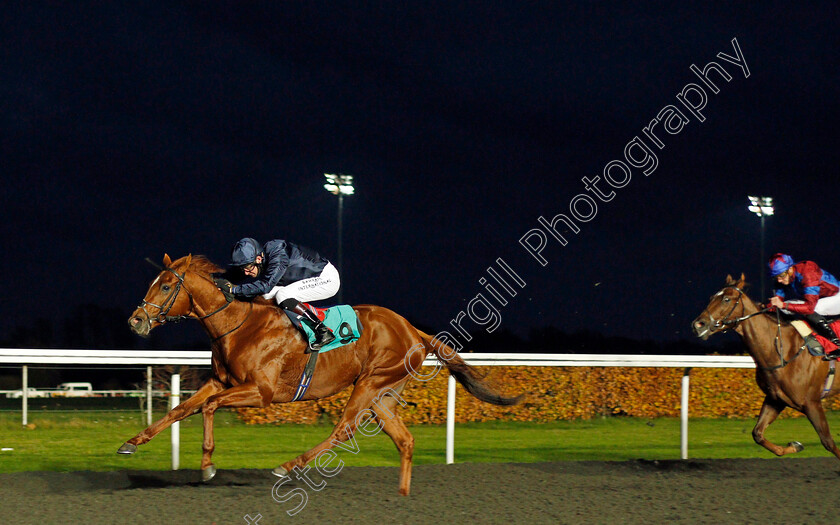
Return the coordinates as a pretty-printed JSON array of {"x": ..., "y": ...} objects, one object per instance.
[
  {"x": 323, "y": 335},
  {"x": 821, "y": 325}
]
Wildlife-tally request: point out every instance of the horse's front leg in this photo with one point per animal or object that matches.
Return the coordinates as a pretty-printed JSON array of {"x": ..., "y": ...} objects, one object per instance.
[
  {"x": 250, "y": 394},
  {"x": 816, "y": 415},
  {"x": 184, "y": 410},
  {"x": 769, "y": 412}
]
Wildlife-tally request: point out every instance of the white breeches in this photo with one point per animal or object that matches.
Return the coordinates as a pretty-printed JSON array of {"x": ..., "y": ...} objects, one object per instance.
[
  {"x": 317, "y": 288},
  {"x": 825, "y": 306}
]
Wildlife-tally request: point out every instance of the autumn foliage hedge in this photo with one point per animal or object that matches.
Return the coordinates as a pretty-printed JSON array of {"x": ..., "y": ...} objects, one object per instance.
[{"x": 553, "y": 393}]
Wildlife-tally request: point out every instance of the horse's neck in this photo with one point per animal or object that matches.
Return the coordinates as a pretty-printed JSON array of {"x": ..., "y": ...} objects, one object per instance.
[
  {"x": 216, "y": 316},
  {"x": 761, "y": 332}
]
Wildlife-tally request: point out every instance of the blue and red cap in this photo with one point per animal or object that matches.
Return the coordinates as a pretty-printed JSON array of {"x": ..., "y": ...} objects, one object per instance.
[{"x": 779, "y": 264}]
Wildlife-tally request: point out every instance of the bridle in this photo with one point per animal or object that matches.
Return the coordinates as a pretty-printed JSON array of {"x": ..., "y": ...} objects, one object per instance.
[
  {"x": 169, "y": 301},
  {"x": 164, "y": 308},
  {"x": 727, "y": 323}
]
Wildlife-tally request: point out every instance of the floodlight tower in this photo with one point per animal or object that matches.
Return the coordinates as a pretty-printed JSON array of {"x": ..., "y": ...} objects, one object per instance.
[
  {"x": 763, "y": 207},
  {"x": 340, "y": 185}
]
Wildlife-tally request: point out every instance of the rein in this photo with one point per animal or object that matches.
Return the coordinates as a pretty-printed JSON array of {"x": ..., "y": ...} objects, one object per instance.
[
  {"x": 778, "y": 344},
  {"x": 731, "y": 323},
  {"x": 251, "y": 309},
  {"x": 164, "y": 308}
]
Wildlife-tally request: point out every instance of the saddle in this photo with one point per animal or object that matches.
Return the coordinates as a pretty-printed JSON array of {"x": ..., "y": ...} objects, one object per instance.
[{"x": 340, "y": 319}]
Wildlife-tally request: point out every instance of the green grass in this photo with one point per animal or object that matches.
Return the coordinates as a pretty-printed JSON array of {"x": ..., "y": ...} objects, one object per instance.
[{"x": 68, "y": 441}]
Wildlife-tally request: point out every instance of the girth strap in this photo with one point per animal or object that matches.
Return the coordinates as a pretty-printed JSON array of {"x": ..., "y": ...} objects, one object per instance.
[
  {"x": 306, "y": 378},
  {"x": 829, "y": 381}
]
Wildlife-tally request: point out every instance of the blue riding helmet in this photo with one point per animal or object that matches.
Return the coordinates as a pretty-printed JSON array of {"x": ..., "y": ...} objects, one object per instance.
[
  {"x": 780, "y": 264},
  {"x": 245, "y": 252}
]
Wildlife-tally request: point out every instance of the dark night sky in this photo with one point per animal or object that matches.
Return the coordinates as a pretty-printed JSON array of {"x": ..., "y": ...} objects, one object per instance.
[{"x": 134, "y": 129}]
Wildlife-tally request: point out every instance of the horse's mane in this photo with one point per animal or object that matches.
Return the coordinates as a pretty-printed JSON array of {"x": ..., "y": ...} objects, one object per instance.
[
  {"x": 783, "y": 319},
  {"x": 202, "y": 264}
]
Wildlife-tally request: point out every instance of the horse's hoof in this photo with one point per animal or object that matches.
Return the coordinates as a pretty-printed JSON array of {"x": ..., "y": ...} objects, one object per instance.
[
  {"x": 127, "y": 448},
  {"x": 280, "y": 472},
  {"x": 797, "y": 446},
  {"x": 208, "y": 473}
]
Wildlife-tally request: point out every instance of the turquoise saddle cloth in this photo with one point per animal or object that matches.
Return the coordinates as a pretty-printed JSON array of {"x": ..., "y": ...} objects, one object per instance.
[{"x": 341, "y": 319}]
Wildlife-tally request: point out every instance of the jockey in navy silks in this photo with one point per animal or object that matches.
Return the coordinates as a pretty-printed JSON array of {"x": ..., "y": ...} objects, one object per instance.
[
  {"x": 809, "y": 291},
  {"x": 288, "y": 273}
]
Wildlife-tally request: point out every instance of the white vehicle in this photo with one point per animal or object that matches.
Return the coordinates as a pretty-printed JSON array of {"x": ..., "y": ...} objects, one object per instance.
[
  {"x": 73, "y": 390},
  {"x": 30, "y": 393}
]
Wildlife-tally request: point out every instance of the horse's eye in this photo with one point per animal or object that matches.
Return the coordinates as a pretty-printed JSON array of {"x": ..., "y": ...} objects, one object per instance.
[
  {"x": 165, "y": 288},
  {"x": 726, "y": 299}
]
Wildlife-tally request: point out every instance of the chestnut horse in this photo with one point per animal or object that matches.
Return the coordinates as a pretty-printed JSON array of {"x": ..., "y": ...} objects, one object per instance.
[
  {"x": 258, "y": 357},
  {"x": 788, "y": 375}
]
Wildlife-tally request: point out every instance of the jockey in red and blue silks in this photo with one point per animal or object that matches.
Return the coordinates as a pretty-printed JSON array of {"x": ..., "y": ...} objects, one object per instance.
[{"x": 807, "y": 290}]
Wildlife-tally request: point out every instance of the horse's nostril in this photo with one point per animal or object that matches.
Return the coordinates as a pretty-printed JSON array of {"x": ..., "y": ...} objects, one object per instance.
[{"x": 134, "y": 321}]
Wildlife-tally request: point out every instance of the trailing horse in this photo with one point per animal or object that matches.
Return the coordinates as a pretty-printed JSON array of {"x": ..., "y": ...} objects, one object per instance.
[
  {"x": 258, "y": 358},
  {"x": 788, "y": 375}
]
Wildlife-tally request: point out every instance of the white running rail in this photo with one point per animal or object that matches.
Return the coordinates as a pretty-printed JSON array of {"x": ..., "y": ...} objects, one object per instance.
[{"x": 24, "y": 357}]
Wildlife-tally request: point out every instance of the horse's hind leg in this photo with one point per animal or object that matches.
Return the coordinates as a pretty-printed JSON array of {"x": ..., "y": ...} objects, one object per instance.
[
  {"x": 769, "y": 412},
  {"x": 816, "y": 416},
  {"x": 363, "y": 396},
  {"x": 395, "y": 428}
]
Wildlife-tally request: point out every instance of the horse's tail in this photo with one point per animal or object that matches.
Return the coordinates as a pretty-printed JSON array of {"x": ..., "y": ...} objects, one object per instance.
[{"x": 464, "y": 373}]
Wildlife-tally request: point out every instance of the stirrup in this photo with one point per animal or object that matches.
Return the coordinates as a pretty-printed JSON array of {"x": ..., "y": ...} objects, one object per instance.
[
  {"x": 813, "y": 345},
  {"x": 323, "y": 337}
]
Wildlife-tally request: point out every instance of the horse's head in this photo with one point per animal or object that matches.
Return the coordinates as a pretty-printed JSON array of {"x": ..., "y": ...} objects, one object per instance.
[
  {"x": 164, "y": 300},
  {"x": 722, "y": 310}
]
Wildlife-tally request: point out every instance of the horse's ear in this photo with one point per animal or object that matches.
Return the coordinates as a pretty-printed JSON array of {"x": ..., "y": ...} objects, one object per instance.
[
  {"x": 729, "y": 279},
  {"x": 741, "y": 282},
  {"x": 167, "y": 262},
  {"x": 188, "y": 261}
]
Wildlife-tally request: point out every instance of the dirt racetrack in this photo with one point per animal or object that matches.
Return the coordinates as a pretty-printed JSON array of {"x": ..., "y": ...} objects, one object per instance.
[{"x": 695, "y": 491}]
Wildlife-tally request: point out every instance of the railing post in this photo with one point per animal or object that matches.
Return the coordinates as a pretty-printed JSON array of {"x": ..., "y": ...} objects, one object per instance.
[
  {"x": 176, "y": 426},
  {"x": 24, "y": 392},
  {"x": 684, "y": 416},
  {"x": 148, "y": 396},
  {"x": 450, "y": 421}
]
